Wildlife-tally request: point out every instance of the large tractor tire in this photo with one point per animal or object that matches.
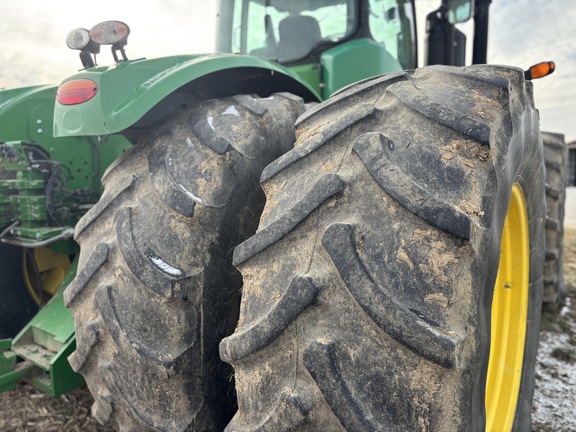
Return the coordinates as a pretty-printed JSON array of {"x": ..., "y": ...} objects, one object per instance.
[
  {"x": 556, "y": 161},
  {"x": 155, "y": 290},
  {"x": 395, "y": 280},
  {"x": 16, "y": 306}
]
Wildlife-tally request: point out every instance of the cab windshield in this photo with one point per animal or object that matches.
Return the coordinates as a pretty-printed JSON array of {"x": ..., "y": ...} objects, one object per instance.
[{"x": 284, "y": 31}]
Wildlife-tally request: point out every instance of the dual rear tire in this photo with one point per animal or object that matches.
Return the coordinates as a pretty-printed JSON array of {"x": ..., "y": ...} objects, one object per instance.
[{"x": 406, "y": 222}]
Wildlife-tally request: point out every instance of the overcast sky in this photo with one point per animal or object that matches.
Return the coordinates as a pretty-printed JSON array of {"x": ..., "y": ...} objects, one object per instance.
[{"x": 33, "y": 49}]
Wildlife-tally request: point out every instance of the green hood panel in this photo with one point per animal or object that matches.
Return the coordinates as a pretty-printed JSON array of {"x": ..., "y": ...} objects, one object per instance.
[
  {"x": 141, "y": 92},
  {"x": 10, "y": 96},
  {"x": 26, "y": 113}
]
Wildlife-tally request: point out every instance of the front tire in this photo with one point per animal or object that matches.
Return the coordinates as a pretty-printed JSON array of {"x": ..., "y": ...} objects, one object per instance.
[
  {"x": 155, "y": 290},
  {"x": 370, "y": 285}
]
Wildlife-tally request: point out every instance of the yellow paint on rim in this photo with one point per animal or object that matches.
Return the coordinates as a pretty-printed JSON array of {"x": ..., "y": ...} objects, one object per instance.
[
  {"x": 509, "y": 315},
  {"x": 52, "y": 267}
]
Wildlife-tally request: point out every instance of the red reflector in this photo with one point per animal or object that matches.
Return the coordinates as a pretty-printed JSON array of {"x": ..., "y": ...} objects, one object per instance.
[{"x": 76, "y": 91}]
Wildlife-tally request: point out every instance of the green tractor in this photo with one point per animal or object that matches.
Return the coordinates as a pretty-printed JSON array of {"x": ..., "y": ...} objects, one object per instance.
[
  {"x": 47, "y": 184},
  {"x": 387, "y": 275}
]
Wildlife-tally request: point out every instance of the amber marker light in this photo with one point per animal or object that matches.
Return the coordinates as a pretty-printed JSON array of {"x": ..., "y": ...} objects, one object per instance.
[
  {"x": 540, "y": 70},
  {"x": 76, "y": 91}
]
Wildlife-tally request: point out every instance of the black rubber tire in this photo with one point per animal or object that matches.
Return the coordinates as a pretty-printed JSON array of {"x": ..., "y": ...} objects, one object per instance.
[
  {"x": 17, "y": 307},
  {"x": 556, "y": 161},
  {"x": 155, "y": 290},
  {"x": 368, "y": 286}
]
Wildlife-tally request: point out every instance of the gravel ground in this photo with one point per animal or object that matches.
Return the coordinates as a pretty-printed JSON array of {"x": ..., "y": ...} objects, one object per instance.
[{"x": 26, "y": 409}]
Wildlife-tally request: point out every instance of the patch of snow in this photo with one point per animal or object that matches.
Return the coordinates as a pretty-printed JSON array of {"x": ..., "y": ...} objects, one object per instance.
[
  {"x": 189, "y": 142},
  {"x": 555, "y": 391},
  {"x": 210, "y": 120},
  {"x": 190, "y": 194},
  {"x": 231, "y": 110},
  {"x": 567, "y": 305},
  {"x": 163, "y": 265}
]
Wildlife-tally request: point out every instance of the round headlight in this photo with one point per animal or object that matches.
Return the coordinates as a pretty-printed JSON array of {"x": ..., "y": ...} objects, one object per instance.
[
  {"x": 78, "y": 38},
  {"x": 110, "y": 32}
]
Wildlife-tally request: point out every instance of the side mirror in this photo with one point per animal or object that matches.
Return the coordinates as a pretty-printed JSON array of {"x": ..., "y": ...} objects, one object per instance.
[{"x": 459, "y": 11}]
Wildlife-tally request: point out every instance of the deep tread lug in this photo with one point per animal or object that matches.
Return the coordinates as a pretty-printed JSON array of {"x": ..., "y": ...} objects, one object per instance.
[
  {"x": 205, "y": 131},
  {"x": 107, "y": 199},
  {"x": 469, "y": 126},
  {"x": 103, "y": 409},
  {"x": 317, "y": 140},
  {"x": 407, "y": 326},
  {"x": 300, "y": 294},
  {"x": 251, "y": 104},
  {"x": 176, "y": 196},
  {"x": 90, "y": 338},
  {"x": 289, "y": 414},
  {"x": 354, "y": 91},
  {"x": 327, "y": 186},
  {"x": 370, "y": 147},
  {"x": 159, "y": 277},
  {"x": 94, "y": 262},
  {"x": 123, "y": 327},
  {"x": 552, "y": 223},
  {"x": 323, "y": 365}
]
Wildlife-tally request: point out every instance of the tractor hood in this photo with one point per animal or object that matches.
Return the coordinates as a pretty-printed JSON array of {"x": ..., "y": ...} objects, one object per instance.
[
  {"x": 139, "y": 93},
  {"x": 9, "y": 96},
  {"x": 26, "y": 113}
]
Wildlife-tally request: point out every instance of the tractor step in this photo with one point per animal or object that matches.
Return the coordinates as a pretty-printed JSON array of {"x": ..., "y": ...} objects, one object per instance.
[
  {"x": 12, "y": 372},
  {"x": 36, "y": 354}
]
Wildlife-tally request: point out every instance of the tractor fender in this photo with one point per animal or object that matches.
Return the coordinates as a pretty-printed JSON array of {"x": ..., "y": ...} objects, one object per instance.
[{"x": 133, "y": 95}]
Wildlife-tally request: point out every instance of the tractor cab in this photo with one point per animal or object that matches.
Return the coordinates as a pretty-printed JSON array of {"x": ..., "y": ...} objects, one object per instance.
[{"x": 329, "y": 43}]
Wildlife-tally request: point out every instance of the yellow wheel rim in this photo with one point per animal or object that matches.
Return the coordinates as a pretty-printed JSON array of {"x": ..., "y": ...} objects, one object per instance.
[
  {"x": 509, "y": 315},
  {"x": 49, "y": 267}
]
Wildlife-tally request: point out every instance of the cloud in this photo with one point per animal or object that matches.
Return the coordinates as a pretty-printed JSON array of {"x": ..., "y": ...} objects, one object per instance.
[
  {"x": 526, "y": 32},
  {"x": 33, "y": 48}
]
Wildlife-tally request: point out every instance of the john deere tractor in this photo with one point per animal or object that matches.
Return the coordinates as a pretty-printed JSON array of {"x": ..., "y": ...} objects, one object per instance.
[
  {"x": 388, "y": 276},
  {"x": 46, "y": 185}
]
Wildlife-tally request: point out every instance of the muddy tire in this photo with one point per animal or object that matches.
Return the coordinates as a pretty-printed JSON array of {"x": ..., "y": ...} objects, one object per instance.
[
  {"x": 155, "y": 290},
  {"x": 369, "y": 286},
  {"x": 17, "y": 307},
  {"x": 555, "y": 159}
]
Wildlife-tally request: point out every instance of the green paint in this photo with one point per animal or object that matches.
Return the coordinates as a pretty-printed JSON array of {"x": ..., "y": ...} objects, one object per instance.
[
  {"x": 7, "y": 366},
  {"x": 353, "y": 61},
  {"x": 10, "y": 372},
  {"x": 26, "y": 114},
  {"x": 309, "y": 73},
  {"x": 128, "y": 90}
]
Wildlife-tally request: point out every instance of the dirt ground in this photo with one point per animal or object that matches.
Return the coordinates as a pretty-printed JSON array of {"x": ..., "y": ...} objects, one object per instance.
[
  {"x": 26, "y": 409},
  {"x": 555, "y": 396}
]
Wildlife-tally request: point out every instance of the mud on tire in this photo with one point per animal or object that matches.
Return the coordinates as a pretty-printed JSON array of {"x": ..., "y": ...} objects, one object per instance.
[
  {"x": 155, "y": 290},
  {"x": 368, "y": 287}
]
